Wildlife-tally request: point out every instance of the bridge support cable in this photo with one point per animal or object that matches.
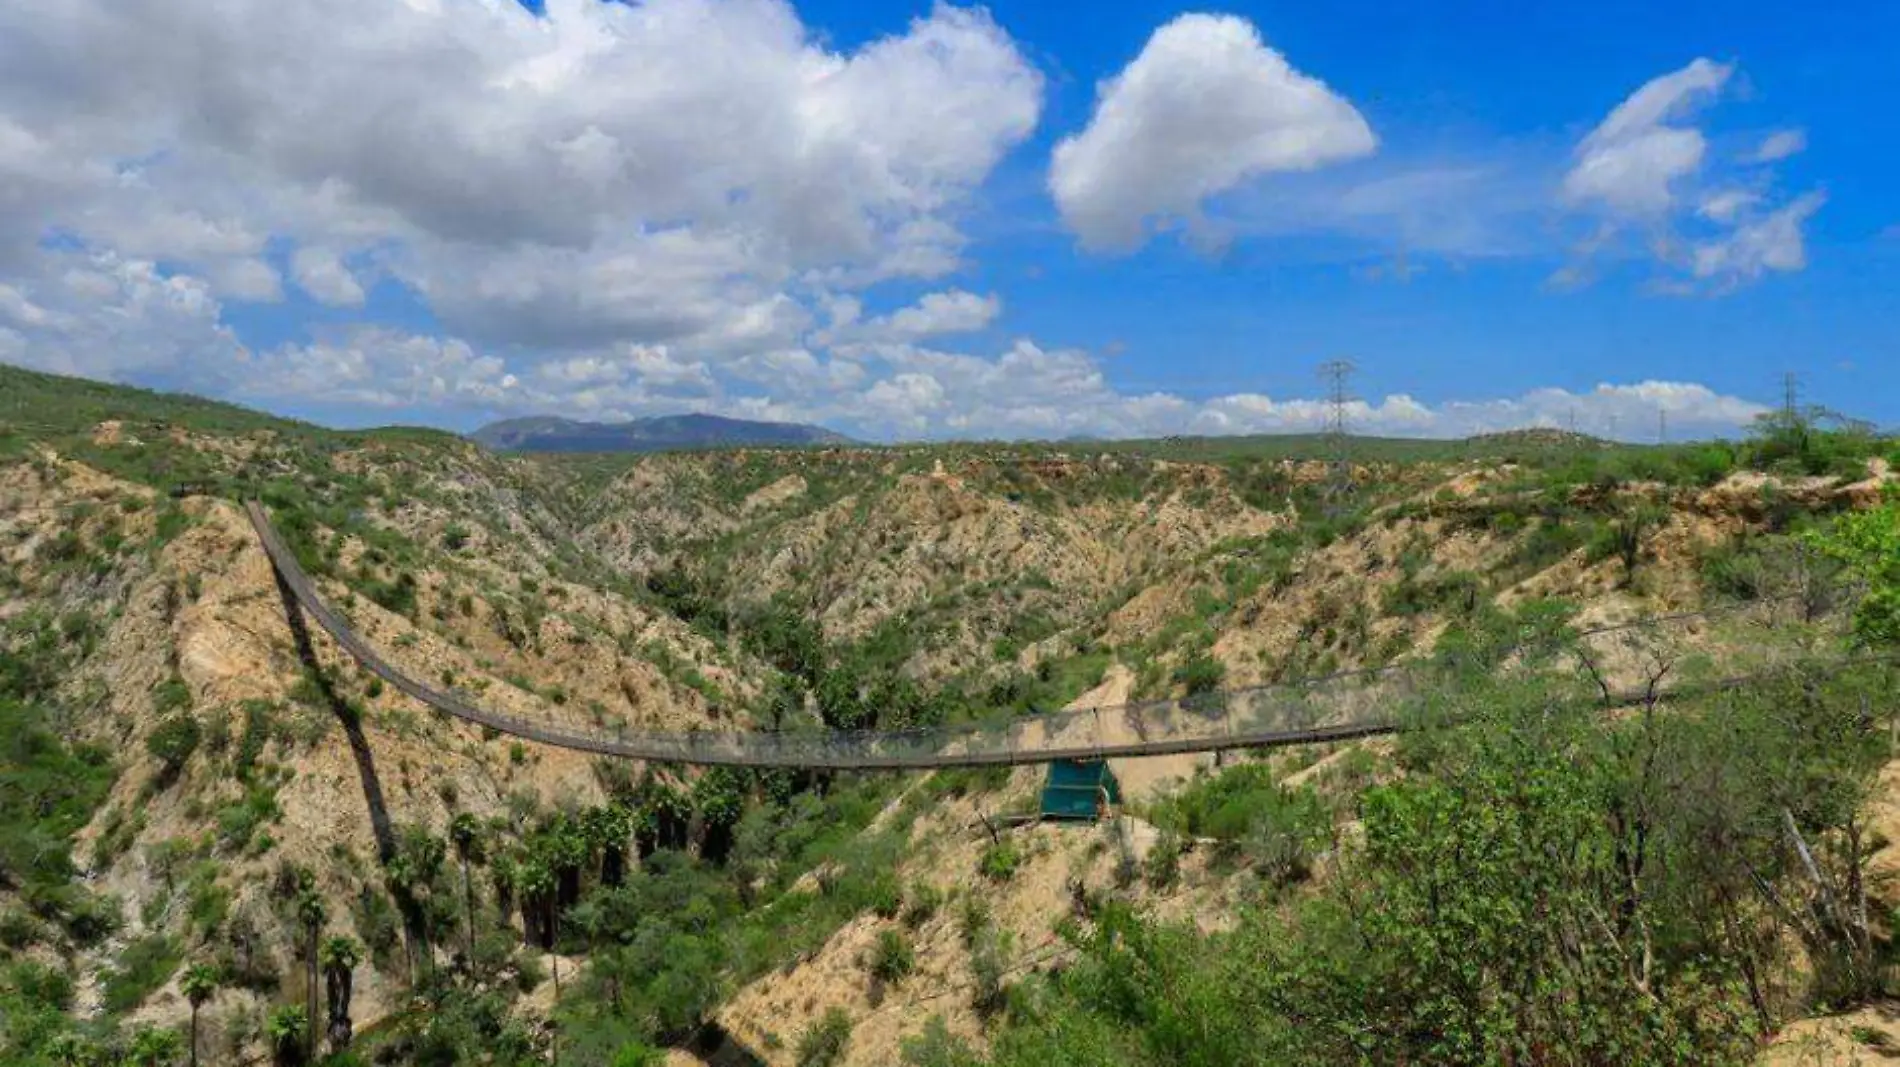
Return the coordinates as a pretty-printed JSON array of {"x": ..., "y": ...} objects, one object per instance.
[{"x": 1340, "y": 708}]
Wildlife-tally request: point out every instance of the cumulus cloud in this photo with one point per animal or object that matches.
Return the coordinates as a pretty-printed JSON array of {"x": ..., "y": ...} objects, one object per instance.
[
  {"x": 102, "y": 315},
  {"x": 1205, "y": 107},
  {"x": 948, "y": 312},
  {"x": 621, "y": 209},
  {"x": 1645, "y": 170},
  {"x": 320, "y": 273},
  {"x": 379, "y": 367},
  {"x": 599, "y": 172},
  {"x": 1030, "y": 391},
  {"x": 908, "y": 391}
]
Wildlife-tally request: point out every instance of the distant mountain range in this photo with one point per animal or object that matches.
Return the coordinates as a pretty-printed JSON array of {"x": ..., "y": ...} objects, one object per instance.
[{"x": 546, "y": 433}]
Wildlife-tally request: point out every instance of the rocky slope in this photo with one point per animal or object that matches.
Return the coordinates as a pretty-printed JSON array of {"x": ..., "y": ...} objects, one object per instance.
[{"x": 727, "y": 590}]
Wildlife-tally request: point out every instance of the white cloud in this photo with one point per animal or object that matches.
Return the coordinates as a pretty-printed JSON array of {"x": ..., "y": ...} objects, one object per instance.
[
  {"x": 376, "y": 367},
  {"x": 320, "y": 273},
  {"x": 1727, "y": 205},
  {"x": 1631, "y": 162},
  {"x": 1779, "y": 145},
  {"x": 245, "y": 279},
  {"x": 934, "y": 314},
  {"x": 104, "y": 316},
  {"x": 1644, "y": 177},
  {"x": 1205, "y": 107},
  {"x": 603, "y": 173},
  {"x": 1772, "y": 242},
  {"x": 908, "y": 391},
  {"x": 1032, "y": 392}
]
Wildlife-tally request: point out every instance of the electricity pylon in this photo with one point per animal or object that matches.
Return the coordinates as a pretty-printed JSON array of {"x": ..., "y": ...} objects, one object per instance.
[{"x": 1338, "y": 374}]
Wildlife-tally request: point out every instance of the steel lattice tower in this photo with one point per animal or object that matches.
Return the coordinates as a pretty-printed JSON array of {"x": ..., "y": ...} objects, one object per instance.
[{"x": 1338, "y": 374}]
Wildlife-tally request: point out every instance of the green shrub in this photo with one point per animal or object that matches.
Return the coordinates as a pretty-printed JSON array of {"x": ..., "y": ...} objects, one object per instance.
[
  {"x": 173, "y": 742},
  {"x": 886, "y": 898},
  {"x": 18, "y": 929},
  {"x": 921, "y": 902},
  {"x": 1201, "y": 673},
  {"x": 823, "y": 1044},
  {"x": 1000, "y": 861},
  {"x": 1163, "y": 865},
  {"x": 171, "y": 695},
  {"x": 40, "y": 984},
  {"x": 48, "y": 791},
  {"x": 144, "y": 966},
  {"x": 973, "y": 919},
  {"x": 892, "y": 958}
]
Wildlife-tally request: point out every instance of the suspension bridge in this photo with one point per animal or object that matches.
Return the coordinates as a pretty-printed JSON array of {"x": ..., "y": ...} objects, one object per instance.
[{"x": 1335, "y": 708}]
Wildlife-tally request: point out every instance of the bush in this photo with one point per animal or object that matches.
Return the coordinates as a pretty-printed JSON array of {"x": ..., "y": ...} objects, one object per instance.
[
  {"x": 173, "y": 743},
  {"x": 171, "y": 695},
  {"x": 1163, "y": 865},
  {"x": 893, "y": 958},
  {"x": 48, "y": 790},
  {"x": 989, "y": 965},
  {"x": 1000, "y": 861},
  {"x": 823, "y": 1043},
  {"x": 973, "y": 919},
  {"x": 920, "y": 903},
  {"x": 1202, "y": 673},
  {"x": 144, "y": 966},
  {"x": 886, "y": 898},
  {"x": 18, "y": 930}
]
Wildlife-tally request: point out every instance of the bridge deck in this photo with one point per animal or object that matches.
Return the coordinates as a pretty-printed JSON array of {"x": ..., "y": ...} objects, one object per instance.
[{"x": 1339, "y": 708}]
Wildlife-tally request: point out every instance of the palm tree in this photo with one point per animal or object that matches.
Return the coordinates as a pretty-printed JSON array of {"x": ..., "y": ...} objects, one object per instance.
[
  {"x": 411, "y": 874},
  {"x": 340, "y": 956},
  {"x": 535, "y": 883},
  {"x": 152, "y": 1047},
  {"x": 465, "y": 833},
  {"x": 199, "y": 985},
  {"x": 608, "y": 829},
  {"x": 285, "y": 1028},
  {"x": 312, "y": 913}
]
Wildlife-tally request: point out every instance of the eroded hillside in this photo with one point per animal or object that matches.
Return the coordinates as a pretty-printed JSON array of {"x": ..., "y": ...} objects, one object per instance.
[{"x": 252, "y": 806}]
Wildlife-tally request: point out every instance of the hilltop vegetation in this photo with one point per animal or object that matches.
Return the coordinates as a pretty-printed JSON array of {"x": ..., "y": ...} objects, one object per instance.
[{"x": 218, "y": 839}]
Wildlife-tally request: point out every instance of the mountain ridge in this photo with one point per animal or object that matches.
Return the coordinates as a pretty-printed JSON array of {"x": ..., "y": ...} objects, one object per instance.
[{"x": 657, "y": 433}]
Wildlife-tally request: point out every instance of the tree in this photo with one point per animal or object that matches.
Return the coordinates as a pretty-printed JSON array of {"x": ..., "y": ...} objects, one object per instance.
[
  {"x": 535, "y": 884},
  {"x": 153, "y": 1047},
  {"x": 312, "y": 914},
  {"x": 285, "y": 1027},
  {"x": 199, "y": 985},
  {"x": 340, "y": 955},
  {"x": 465, "y": 835},
  {"x": 411, "y": 875},
  {"x": 1868, "y": 543}
]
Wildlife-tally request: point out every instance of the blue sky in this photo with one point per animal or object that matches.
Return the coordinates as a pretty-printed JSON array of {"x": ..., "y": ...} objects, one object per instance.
[{"x": 917, "y": 221}]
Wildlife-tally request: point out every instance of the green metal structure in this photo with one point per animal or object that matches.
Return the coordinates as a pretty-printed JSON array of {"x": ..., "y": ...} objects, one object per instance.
[{"x": 1080, "y": 789}]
